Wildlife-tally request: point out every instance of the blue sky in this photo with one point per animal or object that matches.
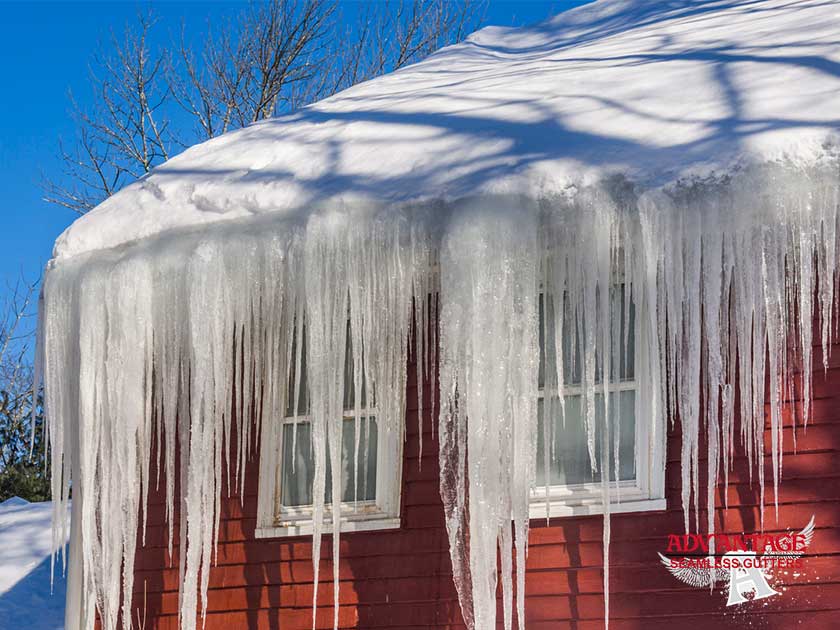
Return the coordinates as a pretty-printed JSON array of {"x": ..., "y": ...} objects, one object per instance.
[{"x": 45, "y": 51}]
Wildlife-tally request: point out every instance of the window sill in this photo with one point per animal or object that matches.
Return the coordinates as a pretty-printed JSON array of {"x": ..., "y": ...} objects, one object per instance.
[
  {"x": 590, "y": 507},
  {"x": 348, "y": 524}
]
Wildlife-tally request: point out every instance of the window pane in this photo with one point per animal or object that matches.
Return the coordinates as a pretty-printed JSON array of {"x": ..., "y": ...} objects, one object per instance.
[
  {"x": 296, "y": 485},
  {"x": 571, "y": 342},
  {"x": 623, "y": 356},
  {"x": 349, "y": 376},
  {"x": 303, "y": 385},
  {"x": 623, "y": 318},
  {"x": 570, "y": 462}
]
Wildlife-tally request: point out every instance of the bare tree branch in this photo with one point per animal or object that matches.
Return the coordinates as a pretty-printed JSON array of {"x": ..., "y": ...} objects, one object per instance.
[
  {"x": 389, "y": 36},
  {"x": 125, "y": 134},
  {"x": 15, "y": 313},
  {"x": 272, "y": 58},
  {"x": 20, "y": 407}
]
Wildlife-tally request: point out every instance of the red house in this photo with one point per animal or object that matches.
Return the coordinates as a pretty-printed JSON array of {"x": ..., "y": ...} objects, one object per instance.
[{"x": 552, "y": 311}]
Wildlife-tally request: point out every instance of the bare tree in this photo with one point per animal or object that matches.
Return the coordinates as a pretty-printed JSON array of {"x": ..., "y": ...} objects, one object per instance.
[
  {"x": 125, "y": 135},
  {"x": 16, "y": 331},
  {"x": 387, "y": 40},
  {"x": 272, "y": 58},
  {"x": 22, "y": 462},
  {"x": 246, "y": 72}
]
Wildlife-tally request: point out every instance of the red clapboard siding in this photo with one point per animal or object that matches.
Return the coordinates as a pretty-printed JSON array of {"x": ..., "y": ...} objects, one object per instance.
[{"x": 403, "y": 578}]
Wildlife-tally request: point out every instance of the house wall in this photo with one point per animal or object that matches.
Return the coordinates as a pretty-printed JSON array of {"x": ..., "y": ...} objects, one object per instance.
[{"x": 402, "y": 578}]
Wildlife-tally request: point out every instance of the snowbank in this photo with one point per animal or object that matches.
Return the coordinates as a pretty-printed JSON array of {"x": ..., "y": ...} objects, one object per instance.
[
  {"x": 25, "y": 547},
  {"x": 650, "y": 90}
]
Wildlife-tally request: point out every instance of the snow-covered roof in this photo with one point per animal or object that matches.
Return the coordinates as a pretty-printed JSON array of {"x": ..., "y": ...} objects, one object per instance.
[
  {"x": 26, "y": 600},
  {"x": 649, "y": 89}
]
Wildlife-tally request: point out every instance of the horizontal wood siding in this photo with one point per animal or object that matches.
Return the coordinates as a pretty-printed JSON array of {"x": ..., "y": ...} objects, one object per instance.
[{"x": 403, "y": 578}]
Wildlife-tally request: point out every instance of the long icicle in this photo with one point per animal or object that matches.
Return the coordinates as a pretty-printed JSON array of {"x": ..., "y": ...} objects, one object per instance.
[{"x": 161, "y": 332}]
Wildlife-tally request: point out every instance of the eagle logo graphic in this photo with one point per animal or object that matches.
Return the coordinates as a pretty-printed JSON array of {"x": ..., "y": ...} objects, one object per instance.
[{"x": 744, "y": 572}]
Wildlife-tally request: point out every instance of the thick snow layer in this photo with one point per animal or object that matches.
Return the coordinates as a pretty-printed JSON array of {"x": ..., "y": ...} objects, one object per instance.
[
  {"x": 648, "y": 89},
  {"x": 25, "y": 550}
]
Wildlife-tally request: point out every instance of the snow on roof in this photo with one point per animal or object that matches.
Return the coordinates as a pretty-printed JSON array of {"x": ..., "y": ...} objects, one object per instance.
[
  {"x": 651, "y": 90},
  {"x": 25, "y": 545}
]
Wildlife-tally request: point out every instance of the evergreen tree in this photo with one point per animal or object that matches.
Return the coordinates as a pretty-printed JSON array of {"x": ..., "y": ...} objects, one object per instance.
[{"x": 22, "y": 474}]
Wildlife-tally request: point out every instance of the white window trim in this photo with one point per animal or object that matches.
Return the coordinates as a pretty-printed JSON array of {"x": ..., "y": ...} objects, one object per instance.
[
  {"x": 383, "y": 513},
  {"x": 646, "y": 493}
]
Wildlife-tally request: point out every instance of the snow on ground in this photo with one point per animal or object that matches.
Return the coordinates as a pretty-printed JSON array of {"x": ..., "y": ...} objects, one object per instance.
[
  {"x": 652, "y": 90},
  {"x": 25, "y": 597}
]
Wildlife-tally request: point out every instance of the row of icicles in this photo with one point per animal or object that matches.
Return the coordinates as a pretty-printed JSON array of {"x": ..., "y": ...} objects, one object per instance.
[{"x": 149, "y": 345}]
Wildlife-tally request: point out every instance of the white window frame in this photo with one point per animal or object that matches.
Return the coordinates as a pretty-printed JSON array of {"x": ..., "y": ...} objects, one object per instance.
[
  {"x": 382, "y": 513},
  {"x": 645, "y": 493},
  {"x": 275, "y": 521}
]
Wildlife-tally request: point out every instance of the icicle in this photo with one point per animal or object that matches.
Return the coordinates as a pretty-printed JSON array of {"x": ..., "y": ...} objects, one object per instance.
[
  {"x": 191, "y": 343},
  {"x": 605, "y": 502},
  {"x": 368, "y": 272},
  {"x": 488, "y": 384}
]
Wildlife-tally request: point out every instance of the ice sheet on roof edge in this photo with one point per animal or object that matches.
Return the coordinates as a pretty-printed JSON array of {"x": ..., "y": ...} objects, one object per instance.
[{"x": 713, "y": 270}]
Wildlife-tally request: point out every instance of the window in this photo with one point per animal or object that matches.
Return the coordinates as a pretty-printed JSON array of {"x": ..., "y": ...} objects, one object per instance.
[
  {"x": 573, "y": 488},
  {"x": 372, "y": 476},
  {"x": 287, "y": 468}
]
